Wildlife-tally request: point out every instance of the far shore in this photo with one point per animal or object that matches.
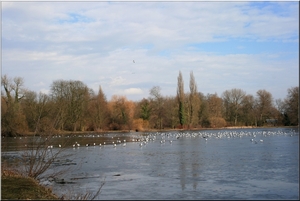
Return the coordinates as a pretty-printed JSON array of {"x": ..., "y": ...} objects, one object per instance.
[{"x": 147, "y": 130}]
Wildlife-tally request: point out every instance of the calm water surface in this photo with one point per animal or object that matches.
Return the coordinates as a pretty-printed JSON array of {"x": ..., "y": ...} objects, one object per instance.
[{"x": 206, "y": 164}]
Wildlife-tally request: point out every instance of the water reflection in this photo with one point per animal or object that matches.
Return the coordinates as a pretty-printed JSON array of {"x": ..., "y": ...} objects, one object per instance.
[
  {"x": 224, "y": 165},
  {"x": 189, "y": 155}
]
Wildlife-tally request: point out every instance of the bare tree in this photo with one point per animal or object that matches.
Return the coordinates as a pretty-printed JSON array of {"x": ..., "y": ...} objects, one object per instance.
[
  {"x": 72, "y": 99},
  {"x": 37, "y": 159},
  {"x": 232, "y": 102},
  {"x": 264, "y": 105},
  {"x": 248, "y": 110},
  {"x": 78, "y": 101},
  {"x": 215, "y": 110},
  {"x": 157, "y": 106},
  {"x": 102, "y": 110},
  {"x": 59, "y": 99},
  {"x": 171, "y": 111},
  {"x": 36, "y": 110},
  {"x": 13, "y": 121},
  {"x": 121, "y": 112},
  {"x": 292, "y": 106},
  {"x": 98, "y": 111}
]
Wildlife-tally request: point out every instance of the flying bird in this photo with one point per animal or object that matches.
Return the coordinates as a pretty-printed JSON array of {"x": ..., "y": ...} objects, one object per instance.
[{"x": 133, "y": 61}]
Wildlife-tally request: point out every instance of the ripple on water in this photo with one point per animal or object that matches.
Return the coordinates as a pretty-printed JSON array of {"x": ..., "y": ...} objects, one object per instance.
[{"x": 190, "y": 167}]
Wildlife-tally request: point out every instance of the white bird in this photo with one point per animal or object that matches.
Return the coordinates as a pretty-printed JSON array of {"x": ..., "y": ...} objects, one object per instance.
[{"x": 59, "y": 145}]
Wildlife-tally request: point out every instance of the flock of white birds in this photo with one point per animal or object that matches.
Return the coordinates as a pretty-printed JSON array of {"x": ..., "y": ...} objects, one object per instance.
[{"x": 169, "y": 137}]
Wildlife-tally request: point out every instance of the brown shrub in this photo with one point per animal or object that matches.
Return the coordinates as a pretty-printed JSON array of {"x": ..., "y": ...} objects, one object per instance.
[
  {"x": 217, "y": 122},
  {"x": 138, "y": 124}
]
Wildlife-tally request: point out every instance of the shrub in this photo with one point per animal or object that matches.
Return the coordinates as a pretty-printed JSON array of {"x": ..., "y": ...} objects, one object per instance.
[
  {"x": 217, "y": 122},
  {"x": 138, "y": 124}
]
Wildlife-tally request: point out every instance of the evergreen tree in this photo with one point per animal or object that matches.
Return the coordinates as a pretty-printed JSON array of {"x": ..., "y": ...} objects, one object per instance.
[{"x": 180, "y": 98}]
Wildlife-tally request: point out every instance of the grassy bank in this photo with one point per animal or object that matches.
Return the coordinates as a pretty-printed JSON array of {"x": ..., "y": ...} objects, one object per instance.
[{"x": 16, "y": 187}]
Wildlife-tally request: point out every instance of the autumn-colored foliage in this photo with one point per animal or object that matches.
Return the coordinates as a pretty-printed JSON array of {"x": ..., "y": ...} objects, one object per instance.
[
  {"x": 138, "y": 124},
  {"x": 72, "y": 106},
  {"x": 217, "y": 122}
]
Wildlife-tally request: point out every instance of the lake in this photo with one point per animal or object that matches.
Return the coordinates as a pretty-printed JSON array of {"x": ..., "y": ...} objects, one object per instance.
[{"x": 260, "y": 163}]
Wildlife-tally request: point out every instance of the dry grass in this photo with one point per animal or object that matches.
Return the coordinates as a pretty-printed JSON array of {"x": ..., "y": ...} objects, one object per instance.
[{"x": 15, "y": 186}]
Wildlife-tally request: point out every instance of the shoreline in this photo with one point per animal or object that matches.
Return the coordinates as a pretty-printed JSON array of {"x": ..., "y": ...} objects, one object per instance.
[
  {"x": 15, "y": 186},
  {"x": 147, "y": 130}
]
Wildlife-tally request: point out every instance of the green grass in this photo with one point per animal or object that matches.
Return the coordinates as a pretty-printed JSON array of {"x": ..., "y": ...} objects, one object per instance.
[{"x": 17, "y": 187}]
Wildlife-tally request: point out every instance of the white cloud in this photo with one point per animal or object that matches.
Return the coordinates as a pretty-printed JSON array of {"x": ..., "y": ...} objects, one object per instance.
[
  {"x": 148, "y": 22},
  {"x": 96, "y": 43},
  {"x": 133, "y": 91}
]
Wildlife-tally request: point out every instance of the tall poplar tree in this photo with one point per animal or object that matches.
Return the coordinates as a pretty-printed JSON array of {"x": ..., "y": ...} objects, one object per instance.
[
  {"x": 180, "y": 98},
  {"x": 194, "y": 101}
]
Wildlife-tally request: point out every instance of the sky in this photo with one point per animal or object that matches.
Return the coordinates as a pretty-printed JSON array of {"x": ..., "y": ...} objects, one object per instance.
[{"x": 127, "y": 48}]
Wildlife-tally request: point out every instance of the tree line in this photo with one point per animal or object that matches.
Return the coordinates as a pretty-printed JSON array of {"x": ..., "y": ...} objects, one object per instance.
[{"x": 72, "y": 106}]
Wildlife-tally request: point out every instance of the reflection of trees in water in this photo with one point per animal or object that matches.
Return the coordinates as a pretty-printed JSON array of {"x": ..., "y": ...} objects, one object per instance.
[
  {"x": 182, "y": 170},
  {"x": 189, "y": 159},
  {"x": 195, "y": 175}
]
